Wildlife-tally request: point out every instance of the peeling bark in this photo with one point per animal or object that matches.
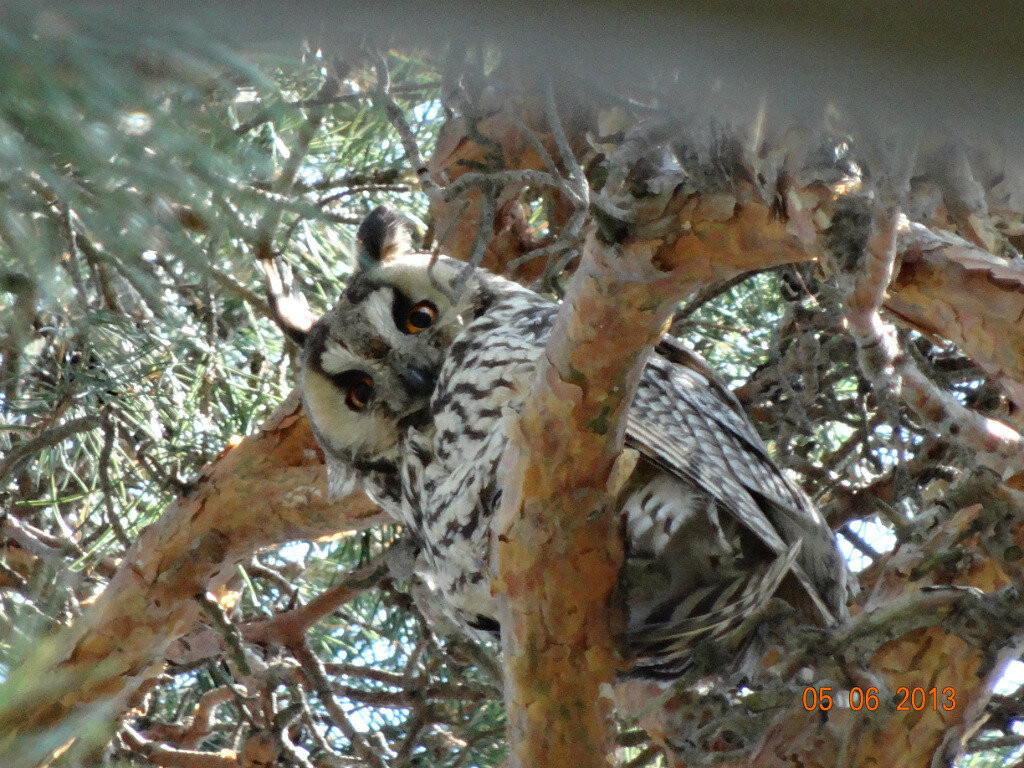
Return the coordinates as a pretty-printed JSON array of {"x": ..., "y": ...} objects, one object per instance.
[{"x": 968, "y": 548}]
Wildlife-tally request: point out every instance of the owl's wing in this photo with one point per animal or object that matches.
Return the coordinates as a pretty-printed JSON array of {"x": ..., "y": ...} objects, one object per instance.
[
  {"x": 684, "y": 421},
  {"x": 673, "y": 350}
]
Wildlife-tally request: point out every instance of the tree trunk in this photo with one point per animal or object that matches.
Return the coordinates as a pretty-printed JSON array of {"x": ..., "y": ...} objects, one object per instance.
[{"x": 557, "y": 540}]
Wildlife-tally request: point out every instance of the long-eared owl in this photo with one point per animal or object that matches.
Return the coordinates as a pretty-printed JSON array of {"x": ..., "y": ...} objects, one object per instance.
[{"x": 408, "y": 382}]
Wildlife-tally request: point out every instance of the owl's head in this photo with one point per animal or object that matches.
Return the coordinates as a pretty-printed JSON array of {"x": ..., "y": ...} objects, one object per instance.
[{"x": 370, "y": 364}]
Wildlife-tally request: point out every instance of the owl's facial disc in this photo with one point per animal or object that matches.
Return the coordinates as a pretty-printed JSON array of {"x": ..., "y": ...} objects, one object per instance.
[{"x": 370, "y": 365}]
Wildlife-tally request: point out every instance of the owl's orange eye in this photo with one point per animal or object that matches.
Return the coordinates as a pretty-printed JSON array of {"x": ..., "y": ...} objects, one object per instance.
[
  {"x": 359, "y": 393},
  {"x": 420, "y": 317}
]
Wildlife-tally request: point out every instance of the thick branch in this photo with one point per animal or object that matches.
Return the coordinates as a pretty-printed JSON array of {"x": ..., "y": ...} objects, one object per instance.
[
  {"x": 947, "y": 287},
  {"x": 943, "y": 285},
  {"x": 268, "y": 489},
  {"x": 861, "y": 245},
  {"x": 556, "y": 543}
]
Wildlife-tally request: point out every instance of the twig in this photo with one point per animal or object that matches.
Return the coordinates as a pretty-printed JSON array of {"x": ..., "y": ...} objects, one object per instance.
[
  {"x": 13, "y": 578},
  {"x": 313, "y": 669},
  {"x": 484, "y": 233},
  {"x": 253, "y": 299},
  {"x": 25, "y": 290},
  {"x": 283, "y": 721},
  {"x": 647, "y": 755},
  {"x": 103, "y": 467},
  {"x": 53, "y": 549},
  {"x": 707, "y": 293},
  {"x": 1011, "y": 740},
  {"x": 261, "y": 571},
  {"x": 484, "y": 181},
  {"x": 200, "y": 723},
  {"x": 23, "y": 450},
  {"x": 897, "y": 617},
  {"x": 382, "y": 97},
  {"x": 414, "y": 725},
  {"x": 317, "y": 102},
  {"x": 537, "y": 145},
  {"x": 581, "y": 190},
  {"x": 231, "y": 633},
  {"x": 267, "y": 227},
  {"x": 291, "y": 625},
  {"x": 411, "y": 699},
  {"x": 169, "y": 757},
  {"x": 570, "y": 234},
  {"x": 858, "y": 543},
  {"x": 315, "y": 732}
]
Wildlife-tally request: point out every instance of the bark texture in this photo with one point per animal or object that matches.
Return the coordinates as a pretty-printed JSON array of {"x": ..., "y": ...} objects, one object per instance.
[
  {"x": 557, "y": 544},
  {"x": 937, "y": 640}
]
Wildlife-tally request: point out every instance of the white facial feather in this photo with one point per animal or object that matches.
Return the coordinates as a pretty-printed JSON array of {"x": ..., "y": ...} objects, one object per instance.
[
  {"x": 325, "y": 405},
  {"x": 377, "y": 309},
  {"x": 336, "y": 359}
]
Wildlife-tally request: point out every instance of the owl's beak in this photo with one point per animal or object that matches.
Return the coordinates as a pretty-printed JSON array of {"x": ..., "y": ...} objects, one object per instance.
[{"x": 417, "y": 380}]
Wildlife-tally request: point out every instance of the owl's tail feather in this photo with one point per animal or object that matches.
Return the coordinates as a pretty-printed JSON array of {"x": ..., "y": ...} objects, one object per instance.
[
  {"x": 710, "y": 612},
  {"x": 808, "y": 599}
]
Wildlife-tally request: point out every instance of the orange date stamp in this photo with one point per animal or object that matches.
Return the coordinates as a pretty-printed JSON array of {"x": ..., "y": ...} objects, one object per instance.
[{"x": 907, "y": 699}]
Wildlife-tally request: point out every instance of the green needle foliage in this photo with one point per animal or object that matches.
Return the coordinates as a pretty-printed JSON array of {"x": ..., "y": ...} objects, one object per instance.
[{"x": 140, "y": 176}]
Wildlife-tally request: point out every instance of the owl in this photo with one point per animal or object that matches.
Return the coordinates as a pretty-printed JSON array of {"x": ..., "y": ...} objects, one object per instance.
[{"x": 409, "y": 382}]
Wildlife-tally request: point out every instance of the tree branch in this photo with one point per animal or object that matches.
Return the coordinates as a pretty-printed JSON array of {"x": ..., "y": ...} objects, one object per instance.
[
  {"x": 861, "y": 244},
  {"x": 556, "y": 539},
  {"x": 267, "y": 489}
]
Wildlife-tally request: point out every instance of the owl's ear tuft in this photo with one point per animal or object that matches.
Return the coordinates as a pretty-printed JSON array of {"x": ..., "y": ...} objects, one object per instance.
[
  {"x": 482, "y": 301},
  {"x": 383, "y": 236},
  {"x": 287, "y": 308}
]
